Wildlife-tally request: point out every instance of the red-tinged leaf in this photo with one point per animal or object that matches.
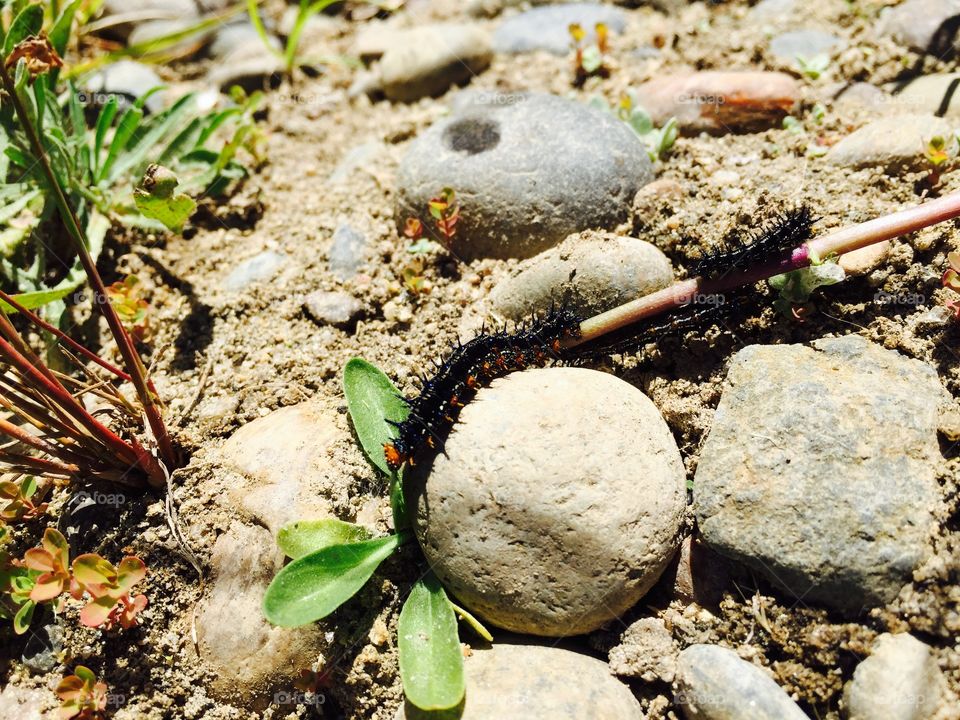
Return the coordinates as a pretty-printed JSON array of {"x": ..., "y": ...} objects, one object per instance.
[
  {"x": 95, "y": 614},
  {"x": 951, "y": 279},
  {"x": 69, "y": 687},
  {"x": 9, "y": 490},
  {"x": 91, "y": 569},
  {"x": 38, "y": 559},
  {"x": 49, "y": 586},
  {"x": 130, "y": 571},
  {"x": 56, "y": 544}
]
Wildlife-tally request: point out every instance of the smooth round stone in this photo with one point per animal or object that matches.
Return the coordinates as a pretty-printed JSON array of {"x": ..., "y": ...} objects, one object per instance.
[
  {"x": 915, "y": 23},
  {"x": 894, "y": 143},
  {"x": 528, "y": 170},
  {"x": 587, "y": 273},
  {"x": 537, "y": 683},
  {"x": 805, "y": 43},
  {"x": 128, "y": 80},
  {"x": 938, "y": 94},
  {"x": 716, "y": 684},
  {"x": 899, "y": 681},
  {"x": 556, "y": 503}
]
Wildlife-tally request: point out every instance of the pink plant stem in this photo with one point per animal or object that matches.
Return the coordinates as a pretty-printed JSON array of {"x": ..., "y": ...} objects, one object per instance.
[{"x": 838, "y": 242}]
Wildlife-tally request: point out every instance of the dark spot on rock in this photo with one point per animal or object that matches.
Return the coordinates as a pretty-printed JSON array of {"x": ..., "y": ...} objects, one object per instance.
[{"x": 472, "y": 135}]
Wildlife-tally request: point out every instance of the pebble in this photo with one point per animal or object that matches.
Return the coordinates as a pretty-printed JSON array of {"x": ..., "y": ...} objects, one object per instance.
[
  {"x": 156, "y": 29},
  {"x": 285, "y": 462},
  {"x": 697, "y": 574},
  {"x": 25, "y": 703},
  {"x": 588, "y": 273},
  {"x": 865, "y": 95},
  {"x": 125, "y": 15},
  {"x": 528, "y": 169},
  {"x": 899, "y": 681},
  {"x": 714, "y": 683},
  {"x": 250, "y": 658},
  {"x": 336, "y": 308},
  {"x": 646, "y": 651},
  {"x": 833, "y": 505},
  {"x": 128, "y": 79},
  {"x": 238, "y": 35},
  {"x": 542, "y": 515},
  {"x": 427, "y": 60},
  {"x": 914, "y": 23},
  {"x": 250, "y": 65},
  {"x": 927, "y": 93},
  {"x": 356, "y": 158},
  {"x": 866, "y": 259},
  {"x": 263, "y": 266},
  {"x": 770, "y": 10},
  {"x": 43, "y": 648},
  {"x": 348, "y": 253},
  {"x": 548, "y": 28},
  {"x": 805, "y": 43},
  {"x": 894, "y": 143},
  {"x": 509, "y": 680},
  {"x": 716, "y": 101}
]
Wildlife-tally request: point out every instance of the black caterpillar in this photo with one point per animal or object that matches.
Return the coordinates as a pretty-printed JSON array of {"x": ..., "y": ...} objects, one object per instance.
[
  {"x": 469, "y": 367},
  {"x": 782, "y": 233},
  {"x": 490, "y": 355}
]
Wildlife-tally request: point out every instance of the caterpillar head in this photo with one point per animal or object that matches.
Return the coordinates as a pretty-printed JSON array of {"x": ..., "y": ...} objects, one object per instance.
[{"x": 395, "y": 454}]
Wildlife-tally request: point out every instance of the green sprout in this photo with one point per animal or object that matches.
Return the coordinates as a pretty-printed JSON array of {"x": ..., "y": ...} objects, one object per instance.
[{"x": 813, "y": 67}]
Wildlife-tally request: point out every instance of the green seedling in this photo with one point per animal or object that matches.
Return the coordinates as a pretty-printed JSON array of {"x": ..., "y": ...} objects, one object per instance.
[
  {"x": 797, "y": 286},
  {"x": 658, "y": 141},
  {"x": 813, "y": 67},
  {"x": 589, "y": 60},
  {"x": 125, "y": 297},
  {"x": 82, "y": 696},
  {"x": 112, "y": 601},
  {"x": 333, "y": 560},
  {"x": 20, "y": 506}
]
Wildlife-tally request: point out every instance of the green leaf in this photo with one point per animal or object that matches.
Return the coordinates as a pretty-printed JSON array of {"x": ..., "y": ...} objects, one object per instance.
[
  {"x": 173, "y": 212},
  {"x": 28, "y": 22},
  {"x": 431, "y": 661},
  {"x": 104, "y": 121},
  {"x": 37, "y": 298},
  {"x": 372, "y": 400},
  {"x": 303, "y": 537},
  {"x": 21, "y": 621},
  {"x": 60, "y": 32},
  {"x": 127, "y": 126},
  {"x": 315, "y": 585}
]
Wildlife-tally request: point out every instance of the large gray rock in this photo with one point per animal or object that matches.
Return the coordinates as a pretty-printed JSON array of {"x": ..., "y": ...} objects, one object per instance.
[
  {"x": 714, "y": 683},
  {"x": 428, "y": 59},
  {"x": 250, "y": 658},
  {"x": 588, "y": 273},
  {"x": 820, "y": 468},
  {"x": 893, "y": 143},
  {"x": 556, "y": 503},
  {"x": 899, "y": 681},
  {"x": 915, "y": 23},
  {"x": 548, "y": 28},
  {"x": 528, "y": 171},
  {"x": 537, "y": 683}
]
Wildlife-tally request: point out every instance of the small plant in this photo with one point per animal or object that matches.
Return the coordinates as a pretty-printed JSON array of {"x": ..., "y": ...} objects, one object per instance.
[
  {"x": 951, "y": 280},
  {"x": 813, "y": 67},
  {"x": 939, "y": 159},
  {"x": 658, "y": 141},
  {"x": 445, "y": 212},
  {"x": 82, "y": 696},
  {"x": 46, "y": 576},
  {"x": 125, "y": 297},
  {"x": 20, "y": 506},
  {"x": 333, "y": 560},
  {"x": 305, "y": 10},
  {"x": 589, "y": 60}
]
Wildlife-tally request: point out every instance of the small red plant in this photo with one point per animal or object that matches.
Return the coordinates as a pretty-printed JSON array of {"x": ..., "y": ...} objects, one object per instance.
[
  {"x": 20, "y": 504},
  {"x": 52, "y": 561},
  {"x": 82, "y": 696},
  {"x": 413, "y": 229},
  {"x": 110, "y": 588},
  {"x": 445, "y": 212},
  {"x": 589, "y": 59},
  {"x": 951, "y": 280}
]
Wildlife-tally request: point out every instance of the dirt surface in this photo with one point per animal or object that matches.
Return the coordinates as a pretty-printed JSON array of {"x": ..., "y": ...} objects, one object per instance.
[{"x": 226, "y": 358}]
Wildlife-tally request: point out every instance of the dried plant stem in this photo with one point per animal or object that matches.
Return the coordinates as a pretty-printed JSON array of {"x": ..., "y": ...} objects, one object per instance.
[
  {"x": 838, "y": 242},
  {"x": 131, "y": 359}
]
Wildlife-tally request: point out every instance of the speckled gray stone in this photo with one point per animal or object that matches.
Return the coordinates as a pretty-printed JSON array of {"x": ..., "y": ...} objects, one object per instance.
[
  {"x": 547, "y": 28},
  {"x": 714, "y": 683},
  {"x": 335, "y": 308},
  {"x": 262, "y": 266},
  {"x": 348, "y": 252},
  {"x": 899, "y": 681},
  {"x": 556, "y": 504},
  {"x": 589, "y": 272},
  {"x": 528, "y": 169},
  {"x": 511, "y": 681},
  {"x": 820, "y": 469},
  {"x": 893, "y": 143},
  {"x": 125, "y": 78},
  {"x": 914, "y": 23}
]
